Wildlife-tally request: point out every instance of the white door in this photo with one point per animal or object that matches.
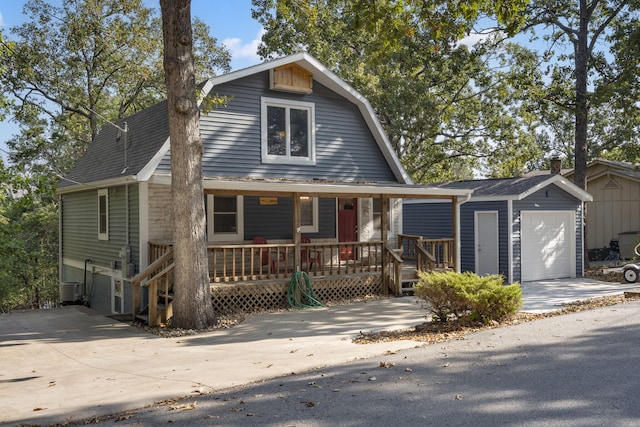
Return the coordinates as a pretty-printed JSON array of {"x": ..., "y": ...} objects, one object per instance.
[
  {"x": 486, "y": 241},
  {"x": 547, "y": 245}
]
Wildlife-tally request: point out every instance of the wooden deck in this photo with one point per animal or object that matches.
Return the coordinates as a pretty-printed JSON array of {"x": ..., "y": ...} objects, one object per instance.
[{"x": 255, "y": 277}]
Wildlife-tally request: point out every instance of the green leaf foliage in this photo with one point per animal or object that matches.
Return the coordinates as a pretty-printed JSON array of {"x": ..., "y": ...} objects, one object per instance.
[
  {"x": 448, "y": 109},
  {"x": 467, "y": 296},
  {"x": 71, "y": 68}
]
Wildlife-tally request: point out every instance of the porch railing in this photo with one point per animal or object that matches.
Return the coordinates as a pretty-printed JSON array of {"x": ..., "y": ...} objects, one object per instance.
[
  {"x": 158, "y": 279},
  {"x": 230, "y": 263},
  {"x": 429, "y": 254}
]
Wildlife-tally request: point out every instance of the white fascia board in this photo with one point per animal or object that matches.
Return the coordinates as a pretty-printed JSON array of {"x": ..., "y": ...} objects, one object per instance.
[
  {"x": 320, "y": 188},
  {"x": 147, "y": 171},
  {"x": 562, "y": 183},
  {"x": 98, "y": 184}
]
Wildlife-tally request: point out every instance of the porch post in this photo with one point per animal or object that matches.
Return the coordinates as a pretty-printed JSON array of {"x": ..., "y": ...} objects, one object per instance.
[
  {"x": 296, "y": 231},
  {"x": 384, "y": 201},
  {"x": 455, "y": 225}
]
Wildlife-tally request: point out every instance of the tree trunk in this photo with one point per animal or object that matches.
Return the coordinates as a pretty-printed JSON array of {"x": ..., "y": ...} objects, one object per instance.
[
  {"x": 192, "y": 295},
  {"x": 582, "y": 113}
]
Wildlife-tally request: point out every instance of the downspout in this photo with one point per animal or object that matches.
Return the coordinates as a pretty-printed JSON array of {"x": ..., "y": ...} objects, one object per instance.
[
  {"x": 459, "y": 203},
  {"x": 60, "y": 241}
]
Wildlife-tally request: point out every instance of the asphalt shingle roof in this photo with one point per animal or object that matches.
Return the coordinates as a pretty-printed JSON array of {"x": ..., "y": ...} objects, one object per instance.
[
  {"x": 498, "y": 186},
  {"x": 105, "y": 157}
]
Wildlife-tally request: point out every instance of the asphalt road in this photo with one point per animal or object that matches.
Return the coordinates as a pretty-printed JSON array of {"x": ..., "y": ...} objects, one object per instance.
[{"x": 578, "y": 369}]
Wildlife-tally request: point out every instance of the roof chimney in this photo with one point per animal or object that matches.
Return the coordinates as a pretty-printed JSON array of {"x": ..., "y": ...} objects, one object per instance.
[{"x": 556, "y": 165}]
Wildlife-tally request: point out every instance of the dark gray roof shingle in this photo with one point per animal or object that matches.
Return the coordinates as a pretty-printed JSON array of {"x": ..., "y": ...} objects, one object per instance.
[
  {"x": 105, "y": 157},
  {"x": 497, "y": 187}
]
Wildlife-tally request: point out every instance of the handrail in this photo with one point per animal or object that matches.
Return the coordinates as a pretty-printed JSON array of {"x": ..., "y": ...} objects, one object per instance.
[
  {"x": 424, "y": 259},
  {"x": 152, "y": 267},
  {"x": 395, "y": 262},
  {"x": 156, "y": 271},
  {"x": 441, "y": 250}
]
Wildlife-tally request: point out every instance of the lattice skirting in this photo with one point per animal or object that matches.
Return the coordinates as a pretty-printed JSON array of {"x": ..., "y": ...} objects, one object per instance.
[{"x": 260, "y": 296}]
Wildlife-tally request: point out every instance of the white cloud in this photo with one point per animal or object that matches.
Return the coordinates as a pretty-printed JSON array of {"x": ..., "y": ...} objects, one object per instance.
[
  {"x": 244, "y": 53},
  {"x": 475, "y": 38},
  {"x": 1, "y": 21}
]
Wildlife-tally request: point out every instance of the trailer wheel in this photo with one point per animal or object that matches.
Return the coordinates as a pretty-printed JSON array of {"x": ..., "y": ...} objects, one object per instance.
[{"x": 630, "y": 275}]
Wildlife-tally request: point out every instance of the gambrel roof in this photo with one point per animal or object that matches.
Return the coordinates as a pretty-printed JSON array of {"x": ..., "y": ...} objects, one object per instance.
[{"x": 107, "y": 162}]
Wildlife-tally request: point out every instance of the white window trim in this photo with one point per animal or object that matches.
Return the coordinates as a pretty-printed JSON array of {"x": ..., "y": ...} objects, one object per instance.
[
  {"x": 226, "y": 237},
  {"x": 376, "y": 234},
  {"x": 314, "y": 227},
  {"x": 288, "y": 160},
  {"x": 103, "y": 192}
]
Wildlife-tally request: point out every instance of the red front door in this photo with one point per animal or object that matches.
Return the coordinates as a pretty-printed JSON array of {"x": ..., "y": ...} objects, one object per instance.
[{"x": 347, "y": 225}]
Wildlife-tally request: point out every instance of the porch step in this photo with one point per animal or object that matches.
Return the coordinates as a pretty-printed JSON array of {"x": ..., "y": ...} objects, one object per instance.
[
  {"x": 164, "y": 312},
  {"x": 407, "y": 286}
]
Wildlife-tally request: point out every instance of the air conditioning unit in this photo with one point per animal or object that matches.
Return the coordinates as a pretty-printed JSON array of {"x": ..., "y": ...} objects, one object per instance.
[{"x": 70, "y": 293}]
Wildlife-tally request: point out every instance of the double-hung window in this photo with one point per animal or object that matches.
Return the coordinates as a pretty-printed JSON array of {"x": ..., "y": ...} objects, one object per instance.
[
  {"x": 103, "y": 214},
  {"x": 225, "y": 218},
  {"x": 288, "y": 132}
]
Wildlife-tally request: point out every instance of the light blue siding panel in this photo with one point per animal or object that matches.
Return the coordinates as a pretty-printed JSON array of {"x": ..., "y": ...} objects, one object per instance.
[
  {"x": 80, "y": 226},
  {"x": 275, "y": 221},
  {"x": 345, "y": 148},
  {"x": 467, "y": 234},
  {"x": 432, "y": 221}
]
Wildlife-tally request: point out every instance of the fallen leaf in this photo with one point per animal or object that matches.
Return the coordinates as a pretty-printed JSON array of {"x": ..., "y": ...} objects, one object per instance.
[{"x": 183, "y": 407}]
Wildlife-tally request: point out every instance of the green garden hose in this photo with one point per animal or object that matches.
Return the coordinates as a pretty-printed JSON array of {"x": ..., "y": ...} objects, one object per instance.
[{"x": 300, "y": 294}]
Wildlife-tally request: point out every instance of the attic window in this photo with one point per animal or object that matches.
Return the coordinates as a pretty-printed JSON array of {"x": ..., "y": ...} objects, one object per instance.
[
  {"x": 612, "y": 184},
  {"x": 291, "y": 78},
  {"x": 288, "y": 132}
]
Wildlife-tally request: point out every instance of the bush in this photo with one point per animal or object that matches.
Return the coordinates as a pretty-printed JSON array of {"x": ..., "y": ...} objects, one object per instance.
[{"x": 467, "y": 296}]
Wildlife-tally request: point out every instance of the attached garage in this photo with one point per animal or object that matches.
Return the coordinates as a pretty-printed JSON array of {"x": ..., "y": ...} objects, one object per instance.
[
  {"x": 531, "y": 227},
  {"x": 548, "y": 245}
]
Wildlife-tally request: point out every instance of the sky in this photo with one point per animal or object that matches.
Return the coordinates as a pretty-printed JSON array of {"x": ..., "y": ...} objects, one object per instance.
[{"x": 229, "y": 21}]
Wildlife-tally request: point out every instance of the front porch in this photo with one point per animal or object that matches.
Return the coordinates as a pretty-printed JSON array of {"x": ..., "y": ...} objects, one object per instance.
[
  {"x": 253, "y": 277},
  {"x": 345, "y": 236}
]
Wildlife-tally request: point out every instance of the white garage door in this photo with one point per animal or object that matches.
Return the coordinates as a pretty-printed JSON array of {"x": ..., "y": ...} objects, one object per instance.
[{"x": 548, "y": 245}]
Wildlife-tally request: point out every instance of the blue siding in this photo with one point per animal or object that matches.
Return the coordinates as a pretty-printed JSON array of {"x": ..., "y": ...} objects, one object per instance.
[
  {"x": 275, "y": 221},
  {"x": 345, "y": 148},
  {"x": 79, "y": 237},
  {"x": 467, "y": 234},
  {"x": 548, "y": 199},
  {"x": 434, "y": 220},
  {"x": 79, "y": 240}
]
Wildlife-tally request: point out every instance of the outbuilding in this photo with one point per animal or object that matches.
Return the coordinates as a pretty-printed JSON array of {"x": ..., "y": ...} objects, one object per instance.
[{"x": 525, "y": 228}]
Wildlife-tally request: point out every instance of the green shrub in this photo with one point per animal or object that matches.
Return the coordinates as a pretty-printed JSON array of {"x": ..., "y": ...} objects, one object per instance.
[{"x": 467, "y": 296}]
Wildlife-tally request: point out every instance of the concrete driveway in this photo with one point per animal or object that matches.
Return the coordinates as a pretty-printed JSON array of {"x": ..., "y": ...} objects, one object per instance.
[
  {"x": 549, "y": 295},
  {"x": 70, "y": 363}
]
